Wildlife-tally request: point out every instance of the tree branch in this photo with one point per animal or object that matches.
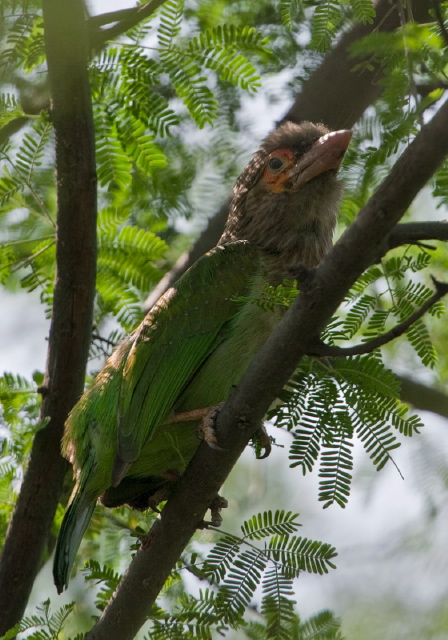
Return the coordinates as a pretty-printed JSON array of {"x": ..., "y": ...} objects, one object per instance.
[
  {"x": 112, "y": 16},
  {"x": 333, "y": 94},
  {"x": 414, "y": 233},
  {"x": 129, "y": 19},
  {"x": 67, "y": 55},
  {"x": 423, "y": 397},
  {"x": 268, "y": 373},
  {"x": 321, "y": 349}
]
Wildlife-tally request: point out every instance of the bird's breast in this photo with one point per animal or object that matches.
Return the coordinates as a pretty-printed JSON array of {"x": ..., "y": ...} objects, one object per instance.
[{"x": 223, "y": 369}]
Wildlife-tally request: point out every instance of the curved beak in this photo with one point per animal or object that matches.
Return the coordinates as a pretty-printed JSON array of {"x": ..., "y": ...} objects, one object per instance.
[{"x": 325, "y": 154}]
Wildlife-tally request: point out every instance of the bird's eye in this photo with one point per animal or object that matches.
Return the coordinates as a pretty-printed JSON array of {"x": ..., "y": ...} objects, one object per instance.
[{"x": 275, "y": 164}]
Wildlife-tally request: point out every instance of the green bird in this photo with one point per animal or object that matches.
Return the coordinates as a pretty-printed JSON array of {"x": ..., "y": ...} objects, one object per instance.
[{"x": 135, "y": 430}]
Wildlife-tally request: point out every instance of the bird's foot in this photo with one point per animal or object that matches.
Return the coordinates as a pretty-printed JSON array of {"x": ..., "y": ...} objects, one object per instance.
[
  {"x": 262, "y": 443},
  {"x": 189, "y": 416},
  {"x": 155, "y": 499},
  {"x": 171, "y": 476},
  {"x": 206, "y": 429},
  {"x": 216, "y": 506}
]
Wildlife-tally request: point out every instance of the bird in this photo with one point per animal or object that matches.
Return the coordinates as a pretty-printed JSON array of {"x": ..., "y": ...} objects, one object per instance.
[{"x": 133, "y": 432}]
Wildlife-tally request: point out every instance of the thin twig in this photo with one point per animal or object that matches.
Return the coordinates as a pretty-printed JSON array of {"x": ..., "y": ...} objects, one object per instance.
[
  {"x": 24, "y": 261},
  {"x": 112, "y": 16},
  {"x": 323, "y": 350},
  {"x": 96, "y": 336}
]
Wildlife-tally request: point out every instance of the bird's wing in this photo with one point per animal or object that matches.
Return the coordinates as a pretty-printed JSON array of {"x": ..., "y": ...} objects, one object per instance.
[{"x": 175, "y": 338}]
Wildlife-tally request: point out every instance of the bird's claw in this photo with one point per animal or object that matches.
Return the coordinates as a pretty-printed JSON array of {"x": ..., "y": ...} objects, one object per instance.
[
  {"x": 206, "y": 429},
  {"x": 216, "y": 506},
  {"x": 262, "y": 442}
]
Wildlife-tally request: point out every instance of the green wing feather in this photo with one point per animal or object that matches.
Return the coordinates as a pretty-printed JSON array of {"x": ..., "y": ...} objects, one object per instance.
[
  {"x": 190, "y": 349},
  {"x": 175, "y": 339},
  {"x": 142, "y": 380}
]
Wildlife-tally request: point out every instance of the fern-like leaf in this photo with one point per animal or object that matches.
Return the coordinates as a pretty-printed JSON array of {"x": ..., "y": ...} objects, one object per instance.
[
  {"x": 113, "y": 164},
  {"x": 363, "y": 10},
  {"x": 221, "y": 557},
  {"x": 335, "y": 472},
  {"x": 268, "y": 523},
  {"x": 325, "y": 21},
  {"x": 297, "y": 554},
  {"x": 239, "y": 585},
  {"x": 277, "y": 604},
  {"x": 170, "y": 21}
]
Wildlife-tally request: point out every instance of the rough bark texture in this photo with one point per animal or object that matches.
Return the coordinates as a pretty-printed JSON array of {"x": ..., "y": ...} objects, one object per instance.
[
  {"x": 272, "y": 367},
  {"x": 66, "y": 47}
]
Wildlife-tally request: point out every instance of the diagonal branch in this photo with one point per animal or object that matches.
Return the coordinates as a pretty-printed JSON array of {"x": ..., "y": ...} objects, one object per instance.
[
  {"x": 127, "y": 19},
  {"x": 66, "y": 47},
  {"x": 268, "y": 373},
  {"x": 321, "y": 349}
]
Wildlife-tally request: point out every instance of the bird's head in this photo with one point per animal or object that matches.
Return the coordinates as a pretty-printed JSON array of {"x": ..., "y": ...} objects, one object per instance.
[{"x": 286, "y": 199}]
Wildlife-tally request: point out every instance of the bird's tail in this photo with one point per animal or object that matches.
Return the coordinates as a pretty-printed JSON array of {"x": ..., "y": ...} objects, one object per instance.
[{"x": 74, "y": 524}]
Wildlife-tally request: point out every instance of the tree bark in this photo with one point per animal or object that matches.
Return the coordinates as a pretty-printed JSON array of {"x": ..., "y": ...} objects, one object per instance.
[
  {"x": 422, "y": 397},
  {"x": 71, "y": 112}
]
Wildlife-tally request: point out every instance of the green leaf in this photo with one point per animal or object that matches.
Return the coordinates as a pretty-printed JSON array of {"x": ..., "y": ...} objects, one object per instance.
[
  {"x": 326, "y": 19},
  {"x": 364, "y": 10},
  {"x": 266, "y": 524}
]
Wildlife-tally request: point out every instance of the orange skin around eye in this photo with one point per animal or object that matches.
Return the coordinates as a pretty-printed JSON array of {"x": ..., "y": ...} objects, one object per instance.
[{"x": 274, "y": 180}]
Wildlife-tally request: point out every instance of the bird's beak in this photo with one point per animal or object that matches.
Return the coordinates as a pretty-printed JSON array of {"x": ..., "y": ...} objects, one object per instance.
[{"x": 325, "y": 154}]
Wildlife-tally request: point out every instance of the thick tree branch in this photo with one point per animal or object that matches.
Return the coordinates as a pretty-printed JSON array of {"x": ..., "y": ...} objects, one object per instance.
[
  {"x": 67, "y": 55},
  {"x": 322, "y": 350},
  {"x": 333, "y": 94},
  {"x": 423, "y": 397},
  {"x": 266, "y": 376}
]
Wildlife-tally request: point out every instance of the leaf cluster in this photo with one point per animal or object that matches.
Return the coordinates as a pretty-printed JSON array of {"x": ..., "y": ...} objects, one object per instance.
[
  {"x": 19, "y": 422},
  {"x": 234, "y": 569},
  {"x": 44, "y": 625},
  {"x": 328, "y": 403},
  {"x": 264, "y": 559}
]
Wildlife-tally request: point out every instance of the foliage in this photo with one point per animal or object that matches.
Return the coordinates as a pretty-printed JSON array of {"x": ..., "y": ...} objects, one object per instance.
[
  {"x": 233, "y": 569},
  {"x": 186, "y": 68},
  {"x": 44, "y": 625}
]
